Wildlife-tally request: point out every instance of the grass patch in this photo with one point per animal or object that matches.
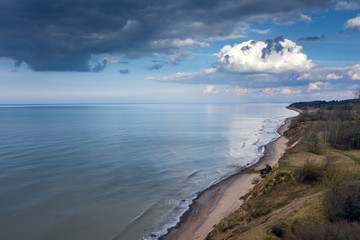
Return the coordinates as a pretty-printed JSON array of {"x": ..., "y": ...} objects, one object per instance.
[
  {"x": 272, "y": 194},
  {"x": 311, "y": 211},
  {"x": 351, "y": 156}
]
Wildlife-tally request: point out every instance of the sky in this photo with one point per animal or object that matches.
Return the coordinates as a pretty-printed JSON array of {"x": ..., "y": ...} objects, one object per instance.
[{"x": 167, "y": 51}]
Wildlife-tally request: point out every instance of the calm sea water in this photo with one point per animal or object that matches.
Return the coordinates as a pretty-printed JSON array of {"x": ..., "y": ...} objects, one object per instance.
[{"x": 125, "y": 171}]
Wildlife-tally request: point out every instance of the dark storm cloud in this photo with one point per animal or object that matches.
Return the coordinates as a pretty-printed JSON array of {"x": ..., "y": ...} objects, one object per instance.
[
  {"x": 156, "y": 66},
  {"x": 51, "y": 35},
  {"x": 17, "y": 63},
  {"x": 124, "y": 71},
  {"x": 312, "y": 38}
]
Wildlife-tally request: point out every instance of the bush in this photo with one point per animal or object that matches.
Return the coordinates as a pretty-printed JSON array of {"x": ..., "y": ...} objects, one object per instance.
[
  {"x": 334, "y": 175},
  {"x": 310, "y": 172},
  {"x": 343, "y": 202},
  {"x": 265, "y": 171},
  {"x": 278, "y": 229},
  {"x": 334, "y": 231}
]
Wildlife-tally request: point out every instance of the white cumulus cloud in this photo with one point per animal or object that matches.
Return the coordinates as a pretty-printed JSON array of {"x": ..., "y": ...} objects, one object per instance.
[
  {"x": 210, "y": 90},
  {"x": 318, "y": 86},
  {"x": 271, "y": 56},
  {"x": 333, "y": 76},
  {"x": 354, "y": 72},
  {"x": 356, "y": 76},
  {"x": 286, "y": 91},
  {"x": 303, "y": 76},
  {"x": 353, "y": 23},
  {"x": 313, "y": 86}
]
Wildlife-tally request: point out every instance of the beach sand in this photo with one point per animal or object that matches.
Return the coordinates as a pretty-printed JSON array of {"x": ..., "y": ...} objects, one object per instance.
[{"x": 223, "y": 198}]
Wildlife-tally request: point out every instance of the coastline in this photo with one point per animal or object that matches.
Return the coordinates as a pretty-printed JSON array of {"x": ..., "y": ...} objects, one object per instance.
[{"x": 221, "y": 199}]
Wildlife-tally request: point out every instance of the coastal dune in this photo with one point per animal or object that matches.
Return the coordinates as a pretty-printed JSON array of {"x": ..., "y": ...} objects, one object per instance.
[{"x": 223, "y": 198}]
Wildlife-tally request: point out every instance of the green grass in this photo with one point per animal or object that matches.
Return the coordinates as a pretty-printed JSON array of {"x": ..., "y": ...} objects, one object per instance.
[{"x": 352, "y": 157}]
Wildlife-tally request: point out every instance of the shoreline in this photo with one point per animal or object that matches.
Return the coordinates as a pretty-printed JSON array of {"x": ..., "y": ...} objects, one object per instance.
[{"x": 221, "y": 199}]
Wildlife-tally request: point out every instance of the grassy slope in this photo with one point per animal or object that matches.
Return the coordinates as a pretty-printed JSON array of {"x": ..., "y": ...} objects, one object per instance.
[{"x": 281, "y": 199}]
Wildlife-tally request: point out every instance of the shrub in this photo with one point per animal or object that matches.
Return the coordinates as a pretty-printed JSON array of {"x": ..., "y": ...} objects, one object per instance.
[
  {"x": 265, "y": 171},
  {"x": 343, "y": 202},
  {"x": 334, "y": 175},
  {"x": 310, "y": 172},
  {"x": 278, "y": 229},
  {"x": 334, "y": 231}
]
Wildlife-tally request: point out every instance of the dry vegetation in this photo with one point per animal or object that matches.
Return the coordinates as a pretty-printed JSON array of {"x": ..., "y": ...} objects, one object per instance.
[{"x": 314, "y": 193}]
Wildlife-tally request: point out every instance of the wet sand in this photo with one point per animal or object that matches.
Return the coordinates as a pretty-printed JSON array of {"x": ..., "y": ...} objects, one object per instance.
[{"x": 223, "y": 198}]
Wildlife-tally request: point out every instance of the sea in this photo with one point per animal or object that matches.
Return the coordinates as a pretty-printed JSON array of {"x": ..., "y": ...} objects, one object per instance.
[{"x": 120, "y": 171}]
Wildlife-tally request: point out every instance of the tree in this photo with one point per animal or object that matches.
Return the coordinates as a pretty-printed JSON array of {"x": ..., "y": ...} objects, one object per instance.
[{"x": 357, "y": 93}]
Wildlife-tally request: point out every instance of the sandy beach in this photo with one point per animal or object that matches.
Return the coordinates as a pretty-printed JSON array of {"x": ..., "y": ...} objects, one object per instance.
[{"x": 223, "y": 198}]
